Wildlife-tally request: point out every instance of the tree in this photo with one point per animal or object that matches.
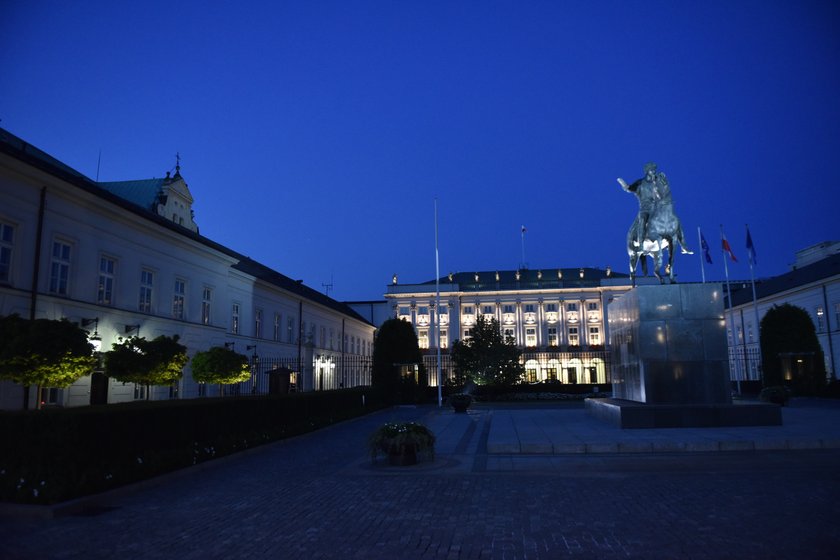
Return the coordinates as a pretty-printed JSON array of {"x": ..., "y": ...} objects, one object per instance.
[
  {"x": 488, "y": 358},
  {"x": 788, "y": 330},
  {"x": 220, "y": 365},
  {"x": 44, "y": 352},
  {"x": 159, "y": 361},
  {"x": 395, "y": 346}
]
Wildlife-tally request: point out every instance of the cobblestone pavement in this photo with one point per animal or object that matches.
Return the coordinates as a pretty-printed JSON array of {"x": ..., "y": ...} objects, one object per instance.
[{"x": 319, "y": 497}]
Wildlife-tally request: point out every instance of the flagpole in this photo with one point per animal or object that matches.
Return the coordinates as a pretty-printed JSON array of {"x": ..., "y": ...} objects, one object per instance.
[
  {"x": 523, "y": 248},
  {"x": 752, "y": 259},
  {"x": 437, "y": 307},
  {"x": 731, "y": 319},
  {"x": 702, "y": 257}
]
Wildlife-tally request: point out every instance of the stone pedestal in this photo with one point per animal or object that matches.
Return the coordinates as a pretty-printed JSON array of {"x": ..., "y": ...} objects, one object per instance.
[{"x": 670, "y": 361}]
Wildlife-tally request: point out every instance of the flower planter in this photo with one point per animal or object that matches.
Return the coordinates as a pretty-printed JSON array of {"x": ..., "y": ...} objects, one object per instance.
[
  {"x": 403, "y": 458},
  {"x": 403, "y": 443}
]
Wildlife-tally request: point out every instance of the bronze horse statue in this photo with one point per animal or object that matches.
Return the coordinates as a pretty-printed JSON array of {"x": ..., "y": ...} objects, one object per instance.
[{"x": 662, "y": 231}]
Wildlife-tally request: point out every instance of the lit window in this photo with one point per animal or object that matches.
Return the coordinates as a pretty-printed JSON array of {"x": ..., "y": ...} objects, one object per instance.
[
  {"x": 552, "y": 336},
  {"x": 234, "y": 318},
  {"x": 105, "y": 287},
  {"x": 206, "y": 300},
  {"x": 147, "y": 282},
  {"x": 178, "y": 298},
  {"x": 820, "y": 319},
  {"x": 574, "y": 338},
  {"x": 423, "y": 339},
  {"x": 530, "y": 337},
  {"x": 444, "y": 339},
  {"x": 467, "y": 334},
  {"x": 7, "y": 239},
  {"x": 60, "y": 268},
  {"x": 594, "y": 335},
  {"x": 258, "y": 323}
]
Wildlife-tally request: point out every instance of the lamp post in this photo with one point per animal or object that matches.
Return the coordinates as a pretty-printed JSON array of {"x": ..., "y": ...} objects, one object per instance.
[{"x": 254, "y": 365}]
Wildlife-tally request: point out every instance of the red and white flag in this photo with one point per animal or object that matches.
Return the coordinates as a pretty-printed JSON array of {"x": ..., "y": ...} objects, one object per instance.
[{"x": 726, "y": 247}]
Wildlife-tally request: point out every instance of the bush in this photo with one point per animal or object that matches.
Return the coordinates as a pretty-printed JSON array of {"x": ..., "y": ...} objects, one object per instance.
[
  {"x": 776, "y": 395},
  {"x": 57, "y": 454},
  {"x": 401, "y": 439}
]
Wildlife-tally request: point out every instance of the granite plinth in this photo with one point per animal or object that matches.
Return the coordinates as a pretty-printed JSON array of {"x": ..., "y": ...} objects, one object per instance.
[
  {"x": 632, "y": 414},
  {"x": 669, "y": 345}
]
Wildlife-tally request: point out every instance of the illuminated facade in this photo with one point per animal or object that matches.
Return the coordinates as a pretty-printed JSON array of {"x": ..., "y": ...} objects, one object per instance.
[
  {"x": 813, "y": 285},
  {"x": 556, "y": 316},
  {"x": 126, "y": 258}
]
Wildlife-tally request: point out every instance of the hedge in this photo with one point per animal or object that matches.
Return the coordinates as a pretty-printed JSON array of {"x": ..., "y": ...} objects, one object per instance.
[{"x": 53, "y": 455}]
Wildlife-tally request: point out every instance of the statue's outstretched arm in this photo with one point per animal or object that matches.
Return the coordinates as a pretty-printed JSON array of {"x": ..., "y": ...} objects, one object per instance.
[{"x": 623, "y": 183}]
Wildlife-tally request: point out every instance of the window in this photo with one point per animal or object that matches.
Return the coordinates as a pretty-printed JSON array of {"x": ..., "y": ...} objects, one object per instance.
[
  {"x": 574, "y": 338},
  {"x": 290, "y": 329},
  {"x": 552, "y": 336},
  {"x": 258, "y": 323},
  {"x": 323, "y": 336},
  {"x": 423, "y": 339},
  {"x": 508, "y": 309},
  {"x": 837, "y": 314},
  {"x": 571, "y": 307},
  {"x": 594, "y": 335},
  {"x": 467, "y": 334},
  {"x": 820, "y": 319},
  {"x": 468, "y": 310},
  {"x": 277, "y": 325},
  {"x": 405, "y": 311},
  {"x": 178, "y": 296},
  {"x": 508, "y": 334},
  {"x": 332, "y": 337},
  {"x": 444, "y": 339},
  {"x": 234, "y": 318},
  {"x": 592, "y": 306},
  {"x": 529, "y": 308},
  {"x": 424, "y": 311},
  {"x": 551, "y": 307},
  {"x": 105, "y": 288},
  {"x": 487, "y": 310},
  {"x": 147, "y": 282},
  {"x": 206, "y": 300},
  {"x": 750, "y": 337},
  {"x": 139, "y": 392},
  {"x": 7, "y": 240},
  {"x": 530, "y": 336},
  {"x": 60, "y": 268}
]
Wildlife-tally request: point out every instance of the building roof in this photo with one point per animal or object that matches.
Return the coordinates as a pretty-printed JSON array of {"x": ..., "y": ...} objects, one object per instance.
[
  {"x": 143, "y": 192},
  {"x": 21, "y": 150},
  {"x": 820, "y": 270},
  {"x": 545, "y": 279}
]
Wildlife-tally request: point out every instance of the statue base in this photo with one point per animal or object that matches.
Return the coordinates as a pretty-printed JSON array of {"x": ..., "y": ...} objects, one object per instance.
[
  {"x": 630, "y": 414},
  {"x": 670, "y": 363}
]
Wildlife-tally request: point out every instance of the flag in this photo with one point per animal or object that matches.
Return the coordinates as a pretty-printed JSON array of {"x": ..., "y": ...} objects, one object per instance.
[
  {"x": 705, "y": 247},
  {"x": 726, "y": 247},
  {"x": 750, "y": 247},
  {"x": 523, "y": 229}
]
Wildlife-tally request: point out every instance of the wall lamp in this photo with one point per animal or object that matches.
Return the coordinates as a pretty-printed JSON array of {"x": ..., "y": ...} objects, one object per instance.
[
  {"x": 129, "y": 328},
  {"x": 94, "y": 322}
]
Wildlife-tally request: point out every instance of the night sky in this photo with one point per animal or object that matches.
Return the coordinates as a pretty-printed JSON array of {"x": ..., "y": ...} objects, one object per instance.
[{"x": 315, "y": 136}]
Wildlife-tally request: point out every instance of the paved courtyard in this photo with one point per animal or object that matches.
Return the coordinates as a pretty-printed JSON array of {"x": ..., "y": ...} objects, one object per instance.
[{"x": 320, "y": 496}]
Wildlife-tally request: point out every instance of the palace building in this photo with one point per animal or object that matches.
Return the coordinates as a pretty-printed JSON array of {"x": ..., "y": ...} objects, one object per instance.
[
  {"x": 557, "y": 316},
  {"x": 126, "y": 258}
]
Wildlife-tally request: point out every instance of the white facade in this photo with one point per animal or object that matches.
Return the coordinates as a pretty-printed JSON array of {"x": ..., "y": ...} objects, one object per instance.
[
  {"x": 814, "y": 285},
  {"x": 556, "y": 316},
  {"x": 70, "y": 249}
]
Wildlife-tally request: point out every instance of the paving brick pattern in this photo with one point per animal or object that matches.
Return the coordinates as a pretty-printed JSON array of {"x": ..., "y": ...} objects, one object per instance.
[{"x": 320, "y": 497}]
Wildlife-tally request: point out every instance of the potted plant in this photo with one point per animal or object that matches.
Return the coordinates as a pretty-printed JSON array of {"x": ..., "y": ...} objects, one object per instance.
[
  {"x": 460, "y": 402},
  {"x": 402, "y": 442}
]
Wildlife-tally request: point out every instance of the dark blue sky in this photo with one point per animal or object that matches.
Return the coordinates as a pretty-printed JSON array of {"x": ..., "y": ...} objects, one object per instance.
[{"x": 316, "y": 135}]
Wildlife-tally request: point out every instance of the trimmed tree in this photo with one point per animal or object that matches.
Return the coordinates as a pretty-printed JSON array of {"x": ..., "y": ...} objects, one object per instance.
[
  {"x": 487, "y": 358},
  {"x": 44, "y": 352},
  {"x": 395, "y": 346},
  {"x": 220, "y": 365},
  {"x": 788, "y": 334},
  {"x": 159, "y": 361}
]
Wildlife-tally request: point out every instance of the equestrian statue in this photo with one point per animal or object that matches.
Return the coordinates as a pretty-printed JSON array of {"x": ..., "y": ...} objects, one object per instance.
[{"x": 656, "y": 227}]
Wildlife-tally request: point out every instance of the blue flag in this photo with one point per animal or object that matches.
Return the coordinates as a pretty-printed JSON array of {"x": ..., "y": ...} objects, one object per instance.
[
  {"x": 750, "y": 247},
  {"x": 705, "y": 247}
]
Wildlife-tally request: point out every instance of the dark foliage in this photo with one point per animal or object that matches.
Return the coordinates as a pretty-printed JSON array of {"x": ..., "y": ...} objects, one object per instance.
[
  {"x": 789, "y": 345},
  {"x": 487, "y": 358},
  {"x": 396, "y": 346}
]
